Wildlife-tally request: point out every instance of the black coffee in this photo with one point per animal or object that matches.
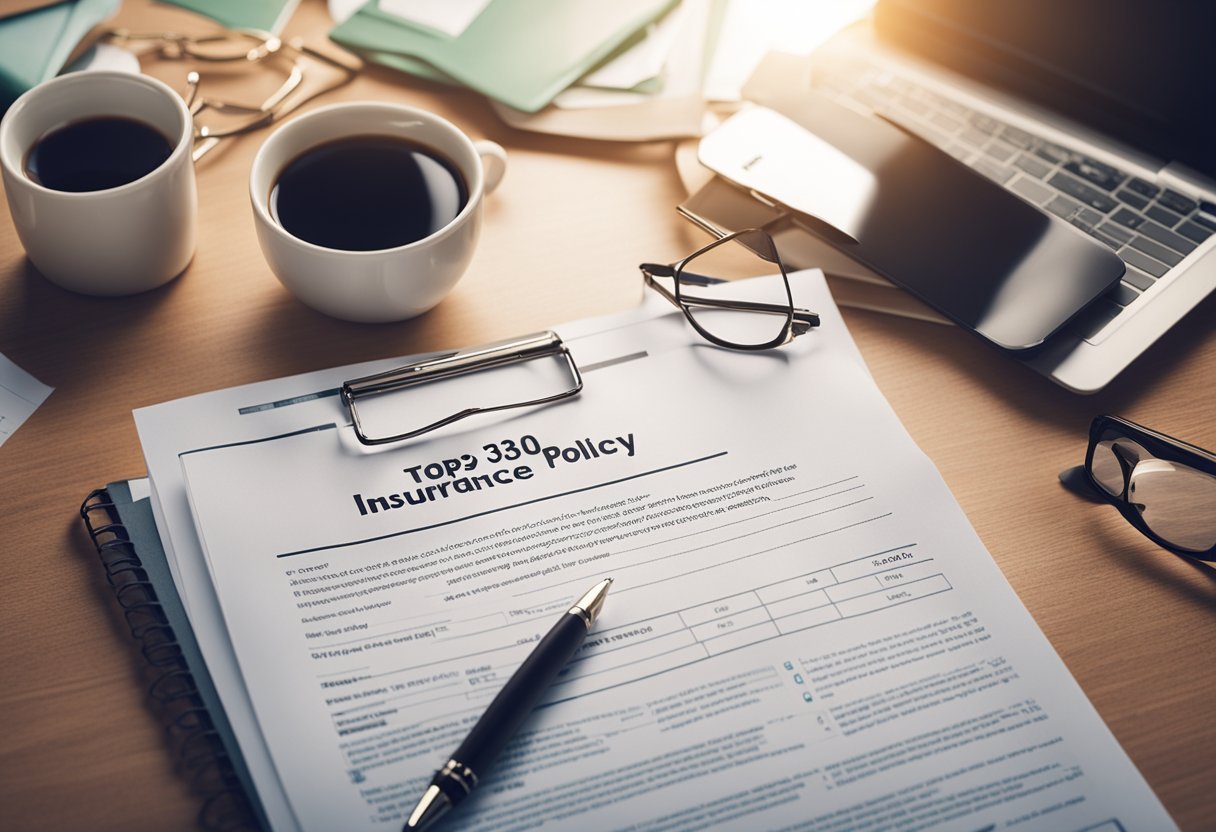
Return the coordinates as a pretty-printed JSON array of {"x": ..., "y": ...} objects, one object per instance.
[
  {"x": 365, "y": 193},
  {"x": 96, "y": 154}
]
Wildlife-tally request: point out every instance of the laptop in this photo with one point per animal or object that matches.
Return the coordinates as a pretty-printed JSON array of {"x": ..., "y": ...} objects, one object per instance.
[{"x": 1102, "y": 112}]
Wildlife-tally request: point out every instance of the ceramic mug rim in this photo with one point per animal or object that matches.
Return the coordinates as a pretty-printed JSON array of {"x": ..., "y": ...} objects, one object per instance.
[
  {"x": 260, "y": 201},
  {"x": 16, "y": 171}
]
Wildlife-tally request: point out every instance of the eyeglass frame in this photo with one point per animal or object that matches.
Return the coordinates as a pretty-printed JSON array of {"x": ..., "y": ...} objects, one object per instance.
[
  {"x": 797, "y": 321},
  {"x": 262, "y": 48},
  {"x": 1162, "y": 447}
]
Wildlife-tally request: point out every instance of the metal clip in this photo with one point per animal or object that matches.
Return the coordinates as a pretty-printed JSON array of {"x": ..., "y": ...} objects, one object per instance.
[{"x": 490, "y": 356}]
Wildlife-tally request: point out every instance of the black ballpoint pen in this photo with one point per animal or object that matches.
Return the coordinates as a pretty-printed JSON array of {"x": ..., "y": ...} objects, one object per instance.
[{"x": 456, "y": 780}]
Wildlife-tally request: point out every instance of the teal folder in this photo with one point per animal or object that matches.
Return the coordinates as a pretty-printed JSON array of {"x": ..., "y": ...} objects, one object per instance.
[
  {"x": 263, "y": 15},
  {"x": 34, "y": 45},
  {"x": 520, "y": 52}
]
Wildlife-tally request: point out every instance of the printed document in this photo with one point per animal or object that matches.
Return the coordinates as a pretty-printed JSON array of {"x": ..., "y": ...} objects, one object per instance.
[
  {"x": 804, "y": 632},
  {"x": 20, "y": 396}
]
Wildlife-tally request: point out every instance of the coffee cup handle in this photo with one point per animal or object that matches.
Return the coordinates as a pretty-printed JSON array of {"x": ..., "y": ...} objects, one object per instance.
[{"x": 493, "y": 163}]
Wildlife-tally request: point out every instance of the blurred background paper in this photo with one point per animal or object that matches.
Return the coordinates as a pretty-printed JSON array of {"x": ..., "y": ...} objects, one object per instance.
[
  {"x": 519, "y": 52},
  {"x": 447, "y": 17}
]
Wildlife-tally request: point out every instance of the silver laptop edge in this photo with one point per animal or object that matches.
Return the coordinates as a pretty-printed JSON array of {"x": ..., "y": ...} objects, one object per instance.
[{"x": 1083, "y": 366}]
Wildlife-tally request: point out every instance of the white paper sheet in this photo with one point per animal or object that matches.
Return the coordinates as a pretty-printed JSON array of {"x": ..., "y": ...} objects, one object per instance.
[
  {"x": 449, "y": 17},
  {"x": 804, "y": 633},
  {"x": 20, "y": 396},
  {"x": 239, "y": 414}
]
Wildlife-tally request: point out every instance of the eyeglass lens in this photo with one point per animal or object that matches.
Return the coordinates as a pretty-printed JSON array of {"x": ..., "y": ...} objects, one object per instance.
[
  {"x": 748, "y": 255},
  {"x": 1177, "y": 502}
]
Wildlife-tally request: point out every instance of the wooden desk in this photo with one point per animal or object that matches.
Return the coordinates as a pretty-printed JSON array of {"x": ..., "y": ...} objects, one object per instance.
[{"x": 562, "y": 240}]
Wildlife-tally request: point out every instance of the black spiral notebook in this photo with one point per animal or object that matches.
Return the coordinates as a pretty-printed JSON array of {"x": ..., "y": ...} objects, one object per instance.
[{"x": 181, "y": 691}]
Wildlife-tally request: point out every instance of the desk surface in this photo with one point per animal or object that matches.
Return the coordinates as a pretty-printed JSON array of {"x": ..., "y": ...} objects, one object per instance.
[{"x": 562, "y": 240}]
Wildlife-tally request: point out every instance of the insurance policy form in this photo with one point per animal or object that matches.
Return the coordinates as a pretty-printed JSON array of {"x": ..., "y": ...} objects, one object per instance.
[{"x": 804, "y": 632}]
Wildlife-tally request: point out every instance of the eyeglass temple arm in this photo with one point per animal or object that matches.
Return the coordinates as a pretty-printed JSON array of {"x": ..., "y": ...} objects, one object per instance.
[{"x": 803, "y": 318}]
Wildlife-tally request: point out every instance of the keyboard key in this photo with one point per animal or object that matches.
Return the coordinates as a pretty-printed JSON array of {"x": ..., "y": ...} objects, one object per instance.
[
  {"x": 949, "y": 124},
  {"x": 1128, "y": 217},
  {"x": 1064, "y": 207},
  {"x": 1138, "y": 278},
  {"x": 997, "y": 173},
  {"x": 1019, "y": 138},
  {"x": 1143, "y": 188},
  {"x": 1168, "y": 238},
  {"x": 1000, "y": 151},
  {"x": 973, "y": 137},
  {"x": 1142, "y": 261},
  {"x": 1032, "y": 166},
  {"x": 1052, "y": 152},
  {"x": 1106, "y": 239},
  {"x": 1166, "y": 218},
  {"x": 1207, "y": 215},
  {"x": 1123, "y": 294},
  {"x": 985, "y": 124},
  {"x": 1133, "y": 199},
  {"x": 1177, "y": 202},
  {"x": 1088, "y": 194},
  {"x": 1117, "y": 231},
  {"x": 1090, "y": 217},
  {"x": 1194, "y": 232},
  {"x": 954, "y": 108},
  {"x": 1032, "y": 191},
  {"x": 1091, "y": 170},
  {"x": 1156, "y": 250}
]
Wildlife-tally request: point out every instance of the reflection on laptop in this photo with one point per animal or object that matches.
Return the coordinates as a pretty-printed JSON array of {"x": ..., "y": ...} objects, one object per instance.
[{"x": 1099, "y": 111}]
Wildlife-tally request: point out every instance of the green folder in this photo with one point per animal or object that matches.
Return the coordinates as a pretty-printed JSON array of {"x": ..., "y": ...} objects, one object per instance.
[
  {"x": 35, "y": 44},
  {"x": 263, "y": 15},
  {"x": 519, "y": 52}
]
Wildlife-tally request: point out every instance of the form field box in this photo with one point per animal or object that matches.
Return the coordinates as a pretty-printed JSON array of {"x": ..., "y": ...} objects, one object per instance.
[
  {"x": 796, "y": 586},
  {"x": 724, "y": 626},
  {"x": 799, "y": 603},
  {"x": 741, "y": 638},
  {"x": 891, "y": 596},
  {"x": 719, "y": 609},
  {"x": 810, "y": 618}
]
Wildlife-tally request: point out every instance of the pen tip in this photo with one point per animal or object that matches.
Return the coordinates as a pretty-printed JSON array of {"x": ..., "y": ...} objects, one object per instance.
[
  {"x": 589, "y": 606},
  {"x": 433, "y": 805}
]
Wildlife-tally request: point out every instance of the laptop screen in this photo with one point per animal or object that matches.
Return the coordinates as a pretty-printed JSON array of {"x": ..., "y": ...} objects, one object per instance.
[{"x": 1137, "y": 70}]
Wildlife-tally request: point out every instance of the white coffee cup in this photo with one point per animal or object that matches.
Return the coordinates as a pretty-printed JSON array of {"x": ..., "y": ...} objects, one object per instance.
[
  {"x": 116, "y": 241},
  {"x": 389, "y": 284}
]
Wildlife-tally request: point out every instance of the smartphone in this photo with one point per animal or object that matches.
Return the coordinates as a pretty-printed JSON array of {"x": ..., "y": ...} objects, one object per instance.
[{"x": 961, "y": 243}]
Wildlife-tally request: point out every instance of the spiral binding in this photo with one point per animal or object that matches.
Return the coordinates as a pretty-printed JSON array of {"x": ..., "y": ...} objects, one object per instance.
[{"x": 200, "y": 752}]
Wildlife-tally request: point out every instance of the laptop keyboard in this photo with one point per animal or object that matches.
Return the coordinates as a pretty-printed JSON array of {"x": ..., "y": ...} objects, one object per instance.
[{"x": 1149, "y": 227}]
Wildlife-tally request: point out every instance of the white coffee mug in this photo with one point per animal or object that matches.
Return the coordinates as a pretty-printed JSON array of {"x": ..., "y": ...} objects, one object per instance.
[
  {"x": 389, "y": 284},
  {"x": 115, "y": 241}
]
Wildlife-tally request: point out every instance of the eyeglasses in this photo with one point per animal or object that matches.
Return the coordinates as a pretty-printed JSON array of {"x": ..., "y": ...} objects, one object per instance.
[
  {"x": 1164, "y": 487},
  {"x": 239, "y": 48},
  {"x": 736, "y": 324}
]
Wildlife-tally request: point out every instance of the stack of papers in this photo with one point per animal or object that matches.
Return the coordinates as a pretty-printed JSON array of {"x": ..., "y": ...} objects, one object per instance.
[{"x": 627, "y": 70}]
